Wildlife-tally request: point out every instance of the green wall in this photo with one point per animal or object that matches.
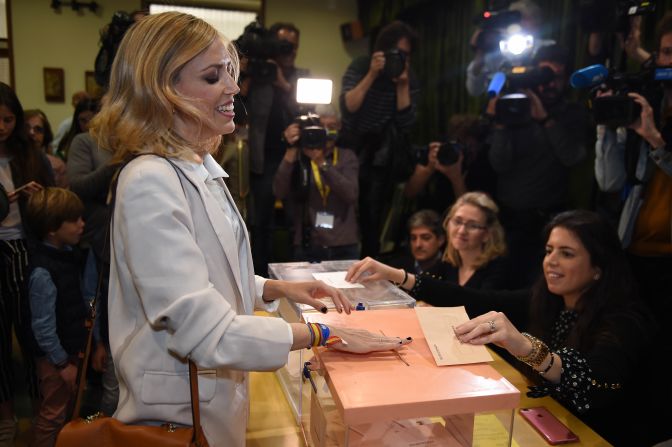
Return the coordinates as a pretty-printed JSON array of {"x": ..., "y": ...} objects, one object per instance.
[{"x": 42, "y": 37}]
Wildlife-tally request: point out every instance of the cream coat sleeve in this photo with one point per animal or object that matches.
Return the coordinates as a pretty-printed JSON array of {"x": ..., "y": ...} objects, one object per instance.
[{"x": 159, "y": 248}]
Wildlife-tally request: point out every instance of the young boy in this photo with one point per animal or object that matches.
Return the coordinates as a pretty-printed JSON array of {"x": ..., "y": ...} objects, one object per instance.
[{"x": 57, "y": 305}]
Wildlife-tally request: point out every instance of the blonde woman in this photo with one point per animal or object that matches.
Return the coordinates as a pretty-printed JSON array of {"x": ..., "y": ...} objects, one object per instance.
[
  {"x": 475, "y": 243},
  {"x": 473, "y": 255},
  {"x": 182, "y": 284}
]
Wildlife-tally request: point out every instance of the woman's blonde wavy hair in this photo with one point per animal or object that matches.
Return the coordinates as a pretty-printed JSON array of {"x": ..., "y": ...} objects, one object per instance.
[
  {"x": 494, "y": 247},
  {"x": 136, "y": 116}
]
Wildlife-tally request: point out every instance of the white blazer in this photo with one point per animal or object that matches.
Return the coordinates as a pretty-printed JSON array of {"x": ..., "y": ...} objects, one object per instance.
[{"x": 176, "y": 292}]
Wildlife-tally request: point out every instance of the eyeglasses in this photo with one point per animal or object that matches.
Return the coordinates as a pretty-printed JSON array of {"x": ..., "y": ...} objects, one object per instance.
[
  {"x": 469, "y": 225},
  {"x": 36, "y": 129}
]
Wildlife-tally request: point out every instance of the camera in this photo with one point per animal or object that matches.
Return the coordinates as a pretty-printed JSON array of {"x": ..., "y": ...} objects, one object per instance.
[
  {"x": 610, "y": 15},
  {"x": 258, "y": 45},
  {"x": 110, "y": 38},
  {"x": 620, "y": 109},
  {"x": 449, "y": 153},
  {"x": 514, "y": 108},
  {"x": 313, "y": 134},
  {"x": 492, "y": 24},
  {"x": 395, "y": 63}
]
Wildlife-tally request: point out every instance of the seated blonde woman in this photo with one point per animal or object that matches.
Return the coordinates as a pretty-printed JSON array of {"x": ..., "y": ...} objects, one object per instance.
[
  {"x": 475, "y": 244},
  {"x": 474, "y": 249}
]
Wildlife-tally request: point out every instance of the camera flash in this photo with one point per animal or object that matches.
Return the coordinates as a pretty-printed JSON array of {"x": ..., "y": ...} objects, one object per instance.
[{"x": 313, "y": 91}]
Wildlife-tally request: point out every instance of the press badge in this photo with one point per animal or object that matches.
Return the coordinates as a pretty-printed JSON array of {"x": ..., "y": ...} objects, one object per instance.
[{"x": 324, "y": 220}]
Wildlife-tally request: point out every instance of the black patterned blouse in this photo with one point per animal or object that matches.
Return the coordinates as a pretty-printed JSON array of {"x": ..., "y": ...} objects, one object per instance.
[{"x": 605, "y": 384}]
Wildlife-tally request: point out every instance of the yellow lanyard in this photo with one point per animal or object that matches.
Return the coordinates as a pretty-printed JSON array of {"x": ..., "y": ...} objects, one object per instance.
[{"x": 321, "y": 187}]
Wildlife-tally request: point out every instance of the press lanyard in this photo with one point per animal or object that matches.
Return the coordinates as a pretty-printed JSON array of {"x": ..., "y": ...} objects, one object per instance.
[{"x": 322, "y": 188}]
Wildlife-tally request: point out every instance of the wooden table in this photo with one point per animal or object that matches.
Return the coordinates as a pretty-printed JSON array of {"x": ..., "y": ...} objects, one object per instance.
[{"x": 272, "y": 423}]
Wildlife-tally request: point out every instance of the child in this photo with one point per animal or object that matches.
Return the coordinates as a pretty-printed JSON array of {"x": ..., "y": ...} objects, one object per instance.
[{"x": 57, "y": 305}]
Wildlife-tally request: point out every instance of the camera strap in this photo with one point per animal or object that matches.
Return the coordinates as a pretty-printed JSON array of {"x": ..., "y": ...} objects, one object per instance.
[{"x": 321, "y": 187}]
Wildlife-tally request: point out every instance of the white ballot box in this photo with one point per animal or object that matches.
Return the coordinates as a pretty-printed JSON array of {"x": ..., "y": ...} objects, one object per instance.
[{"x": 372, "y": 296}]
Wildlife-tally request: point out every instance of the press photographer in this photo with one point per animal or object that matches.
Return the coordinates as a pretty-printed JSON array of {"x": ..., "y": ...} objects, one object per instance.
[
  {"x": 614, "y": 30},
  {"x": 532, "y": 159},
  {"x": 446, "y": 169},
  {"x": 507, "y": 34},
  {"x": 379, "y": 100},
  {"x": 637, "y": 160},
  {"x": 319, "y": 179},
  {"x": 271, "y": 106}
]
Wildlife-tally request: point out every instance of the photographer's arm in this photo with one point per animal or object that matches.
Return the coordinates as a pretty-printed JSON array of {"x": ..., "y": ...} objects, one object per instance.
[
  {"x": 282, "y": 181},
  {"x": 422, "y": 173},
  {"x": 418, "y": 180},
  {"x": 355, "y": 97}
]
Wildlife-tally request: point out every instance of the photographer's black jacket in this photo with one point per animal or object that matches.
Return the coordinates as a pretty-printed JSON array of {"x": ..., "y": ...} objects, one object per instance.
[{"x": 532, "y": 160}]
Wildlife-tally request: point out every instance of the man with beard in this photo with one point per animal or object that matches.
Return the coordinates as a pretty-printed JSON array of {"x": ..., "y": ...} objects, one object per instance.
[{"x": 532, "y": 162}]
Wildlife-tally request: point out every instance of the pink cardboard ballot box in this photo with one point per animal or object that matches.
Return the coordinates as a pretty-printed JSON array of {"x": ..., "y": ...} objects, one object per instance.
[{"x": 380, "y": 387}]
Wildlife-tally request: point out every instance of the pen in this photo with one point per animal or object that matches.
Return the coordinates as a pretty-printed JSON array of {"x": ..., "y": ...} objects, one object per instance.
[
  {"x": 396, "y": 352},
  {"x": 306, "y": 375}
]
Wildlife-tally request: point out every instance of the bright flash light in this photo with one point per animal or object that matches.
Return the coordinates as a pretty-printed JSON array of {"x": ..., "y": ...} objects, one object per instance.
[
  {"x": 517, "y": 44},
  {"x": 313, "y": 91}
]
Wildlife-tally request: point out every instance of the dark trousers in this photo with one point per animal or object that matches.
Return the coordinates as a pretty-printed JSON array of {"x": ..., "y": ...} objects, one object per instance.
[
  {"x": 13, "y": 301},
  {"x": 375, "y": 196},
  {"x": 55, "y": 406}
]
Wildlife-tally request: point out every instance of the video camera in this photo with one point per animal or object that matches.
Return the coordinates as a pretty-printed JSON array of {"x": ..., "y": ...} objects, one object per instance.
[
  {"x": 313, "y": 134},
  {"x": 610, "y": 15},
  {"x": 492, "y": 23},
  {"x": 514, "y": 108},
  {"x": 258, "y": 45},
  {"x": 310, "y": 92},
  {"x": 619, "y": 109},
  {"x": 110, "y": 38}
]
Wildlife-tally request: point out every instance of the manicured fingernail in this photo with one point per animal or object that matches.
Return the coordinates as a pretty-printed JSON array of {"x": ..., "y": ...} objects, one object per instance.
[
  {"x": 409, "y": 338},
  {"x": 324, "y": 310}
]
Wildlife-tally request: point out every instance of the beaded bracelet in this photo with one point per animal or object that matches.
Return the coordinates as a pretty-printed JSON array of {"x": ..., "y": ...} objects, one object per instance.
[
  {"x": 319, "y": 334},
  {"x": 550, "y": 365},
  {"x": 538, "y": 353}
]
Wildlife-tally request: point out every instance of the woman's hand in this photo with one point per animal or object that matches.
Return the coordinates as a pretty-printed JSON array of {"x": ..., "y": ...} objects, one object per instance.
[
  {"x": 27, "y": 189},
  {"x": 368, "y": 269},
  {"x": 493, "y": 327},
  {"x": 308, "y": 292},
  {"x": 360, "y": 341}
]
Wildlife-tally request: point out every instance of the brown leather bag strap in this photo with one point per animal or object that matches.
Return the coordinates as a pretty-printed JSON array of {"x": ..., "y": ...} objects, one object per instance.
[{"x": 198, "y": 437}]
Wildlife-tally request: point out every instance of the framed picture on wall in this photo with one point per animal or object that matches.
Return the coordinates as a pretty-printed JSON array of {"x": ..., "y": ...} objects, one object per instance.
[
  {"x": 92, "y": 88},
  {"x": 54, "y": 85}
]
